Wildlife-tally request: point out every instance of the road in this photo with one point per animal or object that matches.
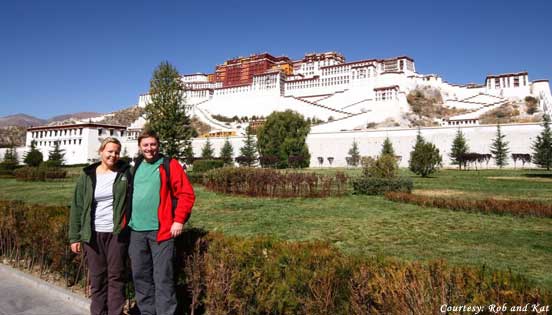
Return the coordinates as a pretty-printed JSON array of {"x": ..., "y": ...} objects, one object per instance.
[{"x": 20, "y": 297}]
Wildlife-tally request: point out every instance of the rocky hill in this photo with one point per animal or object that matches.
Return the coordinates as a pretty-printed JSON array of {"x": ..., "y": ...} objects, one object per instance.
[{"x": 21, "y": 120}]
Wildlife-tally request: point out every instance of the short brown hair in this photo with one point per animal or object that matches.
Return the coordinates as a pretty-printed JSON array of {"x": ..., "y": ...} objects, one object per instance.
[
  {"x": 148, "y": 134},
  {"x": 109, "y": 140}
]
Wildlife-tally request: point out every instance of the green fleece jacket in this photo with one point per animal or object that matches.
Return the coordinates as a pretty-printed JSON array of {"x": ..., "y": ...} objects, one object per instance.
[{"x": 80, "y": 220}]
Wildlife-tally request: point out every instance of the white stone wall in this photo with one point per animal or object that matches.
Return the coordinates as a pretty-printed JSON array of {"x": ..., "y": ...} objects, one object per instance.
[{"x": 337, "y": 144}]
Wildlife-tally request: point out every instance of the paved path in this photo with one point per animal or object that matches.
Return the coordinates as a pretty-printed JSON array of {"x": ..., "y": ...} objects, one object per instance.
[{"x": 19, "y": 296}]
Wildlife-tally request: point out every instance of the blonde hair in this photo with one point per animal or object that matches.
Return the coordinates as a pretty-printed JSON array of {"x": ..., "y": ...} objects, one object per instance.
[{"x": 109, "y": 140}]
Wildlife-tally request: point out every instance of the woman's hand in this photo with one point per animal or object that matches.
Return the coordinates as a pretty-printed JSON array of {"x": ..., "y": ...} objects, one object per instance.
[
  {"x": 76, "y": 247},
  {"x": 176, "y": 229}
]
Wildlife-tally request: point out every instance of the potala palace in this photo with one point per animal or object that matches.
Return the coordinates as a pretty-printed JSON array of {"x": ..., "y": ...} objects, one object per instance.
[{"x": 363, "y": 101}]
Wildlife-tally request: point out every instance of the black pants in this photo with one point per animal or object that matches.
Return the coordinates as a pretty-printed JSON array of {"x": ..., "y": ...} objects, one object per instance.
[
  {"x": 152, "y": 270},
  {"x": 106, "y": 259}
]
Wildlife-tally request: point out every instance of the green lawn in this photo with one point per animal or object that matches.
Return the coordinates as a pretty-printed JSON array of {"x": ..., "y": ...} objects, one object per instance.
[{"x": 363, "y": 225}]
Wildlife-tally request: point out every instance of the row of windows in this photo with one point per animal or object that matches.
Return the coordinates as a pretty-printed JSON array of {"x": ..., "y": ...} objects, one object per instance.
[
  {"x": 504, "y": 82},
  {"x": 111, "y": 132},
  {"x": 386, "y": 95},
  {"x": 54, "y": 133},
  {"x": 61, "y": 142},
  {"x": 317, "y": 83},
  {"x": 336, "y": 70},
  {"x": 462, "y": 122}
]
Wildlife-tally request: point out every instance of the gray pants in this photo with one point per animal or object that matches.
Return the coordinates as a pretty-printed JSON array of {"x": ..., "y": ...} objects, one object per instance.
[
  {"x": 106, "y": 259},
  {"x": 152, "y": 271}
]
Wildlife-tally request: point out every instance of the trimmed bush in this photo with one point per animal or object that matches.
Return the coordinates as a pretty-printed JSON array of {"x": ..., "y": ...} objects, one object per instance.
[
  {"x": 266, "y": 182},
  {"x": 379, "y": 186},
  {"x": 218, "y": 274},
  {"x": 43, "y": 173},
  {"x": 489, "y": 205},
  {"x": 195, "y": 178},
  {"x": 385, "y": 166},
  {"x": 202, "y": 166}
]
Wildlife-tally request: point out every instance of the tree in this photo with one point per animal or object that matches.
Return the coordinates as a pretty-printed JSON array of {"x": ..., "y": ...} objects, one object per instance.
[
  {"x": 542, "y": 147},
  {"x": 10, "y": 160},
  {"x": 56, "y": 156},
  {"x": 424, "y": 158},
  {"x": 531, "y": 105},
  {"x": 499, "y": 148},
  {"x": 34, "y": 157},
  {"x": 354, "y": 155},
  {"x": 387, "y": 148},
  {"x": 227, "y": 152},
  {"x": 249, "y": 150},
  {"x": 459, "y": 149},
  {"x": 207, "y": 152},
  {"x": 166, "y": 112},
  {"x": 283, "y": 135}
]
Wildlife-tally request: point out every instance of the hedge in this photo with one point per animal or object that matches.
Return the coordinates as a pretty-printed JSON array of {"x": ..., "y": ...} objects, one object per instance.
[
  {"x": 202, "y": 166},
  {"x": 41, "y": 173},
  {"x": 379, "y": 186},
  {"x": 489, "y": 205},
  {"x": 217, "y": 274},
  {"x": 264, "y": 182}
]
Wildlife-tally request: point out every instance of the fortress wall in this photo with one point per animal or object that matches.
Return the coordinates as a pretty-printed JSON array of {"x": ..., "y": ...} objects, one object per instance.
[{"x": 337, "y": 144}]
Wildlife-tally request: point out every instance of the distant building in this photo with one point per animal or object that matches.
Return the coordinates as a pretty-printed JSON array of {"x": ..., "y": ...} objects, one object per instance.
[
  {"x": 79, "y": 141},
  {"x": 347, "y": 95}
]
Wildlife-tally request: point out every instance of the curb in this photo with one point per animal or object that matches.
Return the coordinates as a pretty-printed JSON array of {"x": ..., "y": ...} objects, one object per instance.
[{"x": 54, "y": 290}]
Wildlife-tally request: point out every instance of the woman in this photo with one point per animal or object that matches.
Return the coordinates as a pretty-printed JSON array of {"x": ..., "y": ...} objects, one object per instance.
[{"x": 98, "y": 221}]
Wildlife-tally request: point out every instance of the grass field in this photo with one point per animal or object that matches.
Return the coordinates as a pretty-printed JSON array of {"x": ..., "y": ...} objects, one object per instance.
[{"x": 373, "y": 226}]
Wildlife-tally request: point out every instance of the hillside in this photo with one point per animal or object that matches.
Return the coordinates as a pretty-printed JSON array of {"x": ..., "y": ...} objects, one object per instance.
[
  {"x": 123, "y": 117},
  {"x": 21, "y": 120},
  {"x": 12, "y": 136},
  {"x": 74, "y": 116}
]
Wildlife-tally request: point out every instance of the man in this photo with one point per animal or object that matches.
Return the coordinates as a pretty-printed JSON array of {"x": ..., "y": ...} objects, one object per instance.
[{"x": 162, "y": 202}]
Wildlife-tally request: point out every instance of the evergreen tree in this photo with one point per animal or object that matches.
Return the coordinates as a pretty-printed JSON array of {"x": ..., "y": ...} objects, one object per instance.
[
  {"x": 387, "y": 148},
  {"x": 227, "y": 152},
  {"x": 56, "y": 156},
  {"x": 189, "y": 155},
  {"x": 354, "y": 155},
  {"x": 10, "y": 160},
  {"x": 166, "y": 113},
  {"x": 459, "y": 148},
  {"x": 499, "y": 148},
  {"x": 284, "y": 135},
  {"x": 34, "y": 157},
  {"x": 424, "y": 158},
  {"x": 249, "y": 149},
  {"x": 542, "y": 147},
  {"x": 207, "y": 152}
]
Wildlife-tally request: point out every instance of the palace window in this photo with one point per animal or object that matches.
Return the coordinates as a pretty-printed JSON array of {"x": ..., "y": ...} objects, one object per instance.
[{"x": 516, "y": 81}]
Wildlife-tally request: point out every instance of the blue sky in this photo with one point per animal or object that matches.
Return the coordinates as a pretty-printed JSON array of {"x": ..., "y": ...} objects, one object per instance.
[{"x": 63, "y": 56}]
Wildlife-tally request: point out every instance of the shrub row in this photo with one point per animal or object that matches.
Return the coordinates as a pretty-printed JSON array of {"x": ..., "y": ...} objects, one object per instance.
[
  {"x": 230, "y": 275},
  {"x": 379, "y": 186},
  {"x": 41, "y": 173},
  {"x": 274, "y": 183},
  {"x": 489, "y": 205},
  {"x": 202, "y": 166}
]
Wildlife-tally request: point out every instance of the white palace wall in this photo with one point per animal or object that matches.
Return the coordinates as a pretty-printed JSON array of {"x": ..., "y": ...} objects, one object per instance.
[{"x": 337, "y": 144}]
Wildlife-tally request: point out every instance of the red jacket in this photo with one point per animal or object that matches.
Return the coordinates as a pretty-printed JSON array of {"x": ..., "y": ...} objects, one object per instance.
[{"x": 183, "y": 193}]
